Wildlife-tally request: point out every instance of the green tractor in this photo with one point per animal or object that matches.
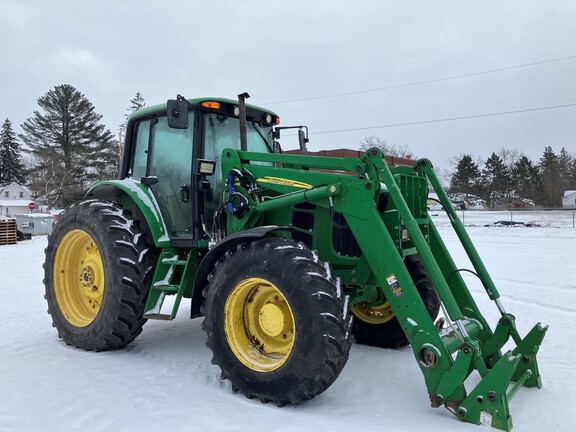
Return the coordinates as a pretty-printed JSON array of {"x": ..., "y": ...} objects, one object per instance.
[{"x": 289, "y": 258}]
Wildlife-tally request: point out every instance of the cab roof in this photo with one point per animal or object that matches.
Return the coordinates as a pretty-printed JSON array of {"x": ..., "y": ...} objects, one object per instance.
[{"x": 161, "y": 108}]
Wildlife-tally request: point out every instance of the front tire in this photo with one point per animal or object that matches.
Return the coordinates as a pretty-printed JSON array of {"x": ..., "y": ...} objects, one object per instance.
[
  {"x": 97, "y": 275},
  {"x": 276, "y": 321}
]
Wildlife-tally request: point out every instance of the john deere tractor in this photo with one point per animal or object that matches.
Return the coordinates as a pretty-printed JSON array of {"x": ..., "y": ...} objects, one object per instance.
[{"x": 289, "y": 258}]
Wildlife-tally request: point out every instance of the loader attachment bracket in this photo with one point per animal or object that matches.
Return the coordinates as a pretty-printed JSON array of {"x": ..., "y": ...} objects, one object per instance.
[
  {"x": 488, "y": 401},
  {"x": 528, "y": 348}
]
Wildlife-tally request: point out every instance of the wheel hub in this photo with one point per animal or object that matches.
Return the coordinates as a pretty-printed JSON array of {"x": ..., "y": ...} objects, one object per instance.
[
  {"x": 259, "y": 324},
  {"x": 271, "y": 319},
  {"x": 87, "y": 277}
]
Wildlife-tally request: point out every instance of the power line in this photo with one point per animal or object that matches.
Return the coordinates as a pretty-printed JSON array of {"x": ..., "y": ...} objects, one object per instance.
[
  {"x": 416, "y": 83},
  {"x": 446, "y": 119}
]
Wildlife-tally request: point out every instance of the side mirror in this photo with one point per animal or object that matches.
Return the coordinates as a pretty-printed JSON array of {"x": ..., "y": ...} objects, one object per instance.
[
  {"x": 302, "y": 139},
  {"x": 177, "y": 113},
  {"x": 302, "y": 136}
]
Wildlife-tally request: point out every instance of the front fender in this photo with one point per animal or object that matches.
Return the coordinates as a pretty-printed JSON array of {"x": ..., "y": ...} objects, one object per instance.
[
  {"x": 132, "y": 195},
  {"x": 209, "y": 261}
]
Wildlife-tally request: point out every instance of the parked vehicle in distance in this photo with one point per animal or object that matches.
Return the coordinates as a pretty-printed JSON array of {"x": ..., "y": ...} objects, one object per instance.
[{"x": 56, "y": 213}]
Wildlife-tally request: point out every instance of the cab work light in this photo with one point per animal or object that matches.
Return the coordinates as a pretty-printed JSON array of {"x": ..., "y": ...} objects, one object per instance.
[
  {"x": 211, "y": 105},
  {"x": 206, "y": 167}
]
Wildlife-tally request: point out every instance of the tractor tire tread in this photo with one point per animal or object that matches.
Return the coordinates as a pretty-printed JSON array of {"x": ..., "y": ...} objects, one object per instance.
[
  {"x": 128, "y": 271},
  {"x": 303, "y": 376}
]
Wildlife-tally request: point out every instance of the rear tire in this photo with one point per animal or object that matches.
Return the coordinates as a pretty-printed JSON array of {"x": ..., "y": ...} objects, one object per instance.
[
  {"x": 276, "y": 321},
  {"x": 97, "y": 275},
  {"x": 378, "y": 326}
]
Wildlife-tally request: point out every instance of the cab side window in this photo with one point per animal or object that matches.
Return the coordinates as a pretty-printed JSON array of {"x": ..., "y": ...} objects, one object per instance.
[{"x": 140, "y": 150}]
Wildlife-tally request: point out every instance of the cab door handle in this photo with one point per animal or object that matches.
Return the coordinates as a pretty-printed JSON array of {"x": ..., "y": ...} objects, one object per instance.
[{"x": 185, "y": 193}]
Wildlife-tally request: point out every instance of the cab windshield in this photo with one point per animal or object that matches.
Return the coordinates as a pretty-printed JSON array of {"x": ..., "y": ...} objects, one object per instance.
[
  {"x": 221, "y": 132},
  {"x": 224, "y": 132}
]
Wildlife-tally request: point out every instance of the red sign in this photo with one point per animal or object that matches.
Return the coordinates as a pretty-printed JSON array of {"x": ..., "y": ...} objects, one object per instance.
[{"x": 31, "y": 206}]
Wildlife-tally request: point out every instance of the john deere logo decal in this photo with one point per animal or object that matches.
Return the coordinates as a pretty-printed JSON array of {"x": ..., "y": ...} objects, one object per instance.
[{"x": 284, "y": 182}]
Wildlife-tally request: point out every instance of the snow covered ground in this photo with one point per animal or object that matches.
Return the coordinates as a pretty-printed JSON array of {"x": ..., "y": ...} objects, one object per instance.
[{"x": 164, "y": 380}]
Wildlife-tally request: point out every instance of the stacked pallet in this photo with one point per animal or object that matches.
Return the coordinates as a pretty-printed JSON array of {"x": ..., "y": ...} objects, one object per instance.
[{"x": 8, "y": 233}]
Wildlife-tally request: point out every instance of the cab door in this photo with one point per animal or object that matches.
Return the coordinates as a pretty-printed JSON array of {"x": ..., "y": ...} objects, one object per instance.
[{"x": 166, "y": 153}]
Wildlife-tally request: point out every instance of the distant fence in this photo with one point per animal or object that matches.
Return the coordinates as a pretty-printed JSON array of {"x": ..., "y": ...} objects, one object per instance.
[{"x": 553, "y": 217}]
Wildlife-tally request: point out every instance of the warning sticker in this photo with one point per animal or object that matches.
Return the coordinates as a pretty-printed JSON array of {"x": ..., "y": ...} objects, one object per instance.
[
  {"x": 393, "y": 282},
  {"x": 485, "y": 418}
]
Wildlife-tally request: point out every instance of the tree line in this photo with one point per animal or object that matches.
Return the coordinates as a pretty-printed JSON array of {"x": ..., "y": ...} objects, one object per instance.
[
  {"x": 509, "y": 177},
  {"x": 63, "y": 148},
  {"x": 505, "y": 179}
]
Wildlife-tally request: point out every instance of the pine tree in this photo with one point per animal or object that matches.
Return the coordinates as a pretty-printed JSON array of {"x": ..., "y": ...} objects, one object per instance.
[
  {"x": 565, "y": 162},
  {"x": 136, "y": 103},
  {"x": 550, "y": 193},
  {"x": 11, "y": 168},
  {"x": 71, "y": 146},
  {"x": 525, "y": 179},
  {"x": 466, "y": 178},
  {"x": 573, "y": 176},
  {"x": 495, "y": 181}
]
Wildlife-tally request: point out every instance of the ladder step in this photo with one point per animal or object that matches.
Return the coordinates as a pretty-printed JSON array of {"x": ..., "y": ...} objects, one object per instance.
[
  {"x": 172, "y": 261},
  {"x": 166, "y": 287},
  {"x": 158, "y": 316}
]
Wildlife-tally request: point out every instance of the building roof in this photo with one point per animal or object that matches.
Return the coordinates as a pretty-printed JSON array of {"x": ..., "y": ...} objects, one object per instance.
[
  {"x": 18, "y": 186},
  {"x": 14, "y": 202},
  {"x": 390, "y": 160},
  {"x": 569, "y": 192}
]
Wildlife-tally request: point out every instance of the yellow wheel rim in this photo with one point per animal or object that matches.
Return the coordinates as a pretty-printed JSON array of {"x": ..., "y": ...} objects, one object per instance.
[
  {"x": 259, "y": 325},
  {"x": 78, "y": 278},
  {"x": 373, "y": 314}
]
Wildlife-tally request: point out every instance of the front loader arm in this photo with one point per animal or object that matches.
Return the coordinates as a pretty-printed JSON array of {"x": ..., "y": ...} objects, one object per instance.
[{"x": 354, "y": 188}]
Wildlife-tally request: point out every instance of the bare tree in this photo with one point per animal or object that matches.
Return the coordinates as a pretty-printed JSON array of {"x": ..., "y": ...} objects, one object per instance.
[
  {"x": 510, "y": 156},
  {"x": 393, "y": 150}
]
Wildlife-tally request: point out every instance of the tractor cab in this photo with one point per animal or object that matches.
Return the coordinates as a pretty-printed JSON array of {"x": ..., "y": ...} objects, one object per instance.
[{"x": 171, "y": 148}]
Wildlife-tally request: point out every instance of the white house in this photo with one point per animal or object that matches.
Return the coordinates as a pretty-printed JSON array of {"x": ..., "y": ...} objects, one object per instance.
[
  {"x": 14, "y": 199},
  {"x": 569, "y": 200}
]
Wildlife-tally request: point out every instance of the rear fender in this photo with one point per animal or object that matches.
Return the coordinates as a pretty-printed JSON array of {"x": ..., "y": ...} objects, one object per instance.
[
  {"x": 138, "y": 198},
  {"x": 212, "y": 257}
]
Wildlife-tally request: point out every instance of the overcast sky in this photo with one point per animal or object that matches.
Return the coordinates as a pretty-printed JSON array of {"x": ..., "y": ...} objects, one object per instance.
[{"x": 283, "y": 52}]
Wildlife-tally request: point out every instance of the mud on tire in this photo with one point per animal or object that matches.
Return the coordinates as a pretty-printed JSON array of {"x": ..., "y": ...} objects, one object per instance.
[
  {"x": 276, "y": 321},
  {"x": 97, "y": 275}
]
